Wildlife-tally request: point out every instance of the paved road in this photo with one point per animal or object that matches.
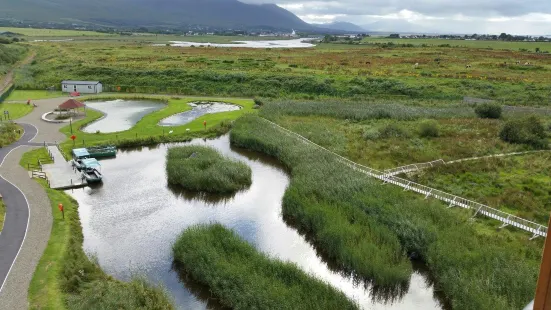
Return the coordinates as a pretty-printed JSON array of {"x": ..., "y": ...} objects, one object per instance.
[{"x": 17, "y": 213}]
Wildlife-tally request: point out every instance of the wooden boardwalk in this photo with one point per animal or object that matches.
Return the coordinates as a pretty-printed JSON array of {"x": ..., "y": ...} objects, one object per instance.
[{"x": 506, "y": 219}]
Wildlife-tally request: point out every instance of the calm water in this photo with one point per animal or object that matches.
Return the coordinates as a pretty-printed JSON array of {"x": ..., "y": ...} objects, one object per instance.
[
  {"x": 131, "y": 221},
  {"x": 199, "y": 109},
  {"x": 295, "y": 43},
  {"x": 120, "y": 115}
]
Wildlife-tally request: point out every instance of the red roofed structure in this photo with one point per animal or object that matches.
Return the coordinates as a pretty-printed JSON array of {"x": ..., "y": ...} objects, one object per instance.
[{"x": 71, "y": 104}]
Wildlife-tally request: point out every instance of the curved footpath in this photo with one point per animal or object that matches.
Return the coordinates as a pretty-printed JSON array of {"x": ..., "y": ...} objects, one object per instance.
[{"x": 28, "y": 220}]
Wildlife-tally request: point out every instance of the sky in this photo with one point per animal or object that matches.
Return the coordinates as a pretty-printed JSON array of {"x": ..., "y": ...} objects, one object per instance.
[{"x": 520, "y": 17}]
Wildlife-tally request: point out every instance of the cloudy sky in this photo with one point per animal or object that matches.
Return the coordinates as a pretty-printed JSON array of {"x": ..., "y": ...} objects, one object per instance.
[{"x": 458, "y": 16}]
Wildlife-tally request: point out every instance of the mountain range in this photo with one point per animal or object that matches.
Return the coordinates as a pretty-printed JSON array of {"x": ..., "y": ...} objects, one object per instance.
[{"x": 160, "y": 13}]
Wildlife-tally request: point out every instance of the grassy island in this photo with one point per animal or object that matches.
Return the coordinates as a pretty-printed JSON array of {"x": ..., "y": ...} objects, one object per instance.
[
  {"x": 199, "y": 168},
  {"x": 242, "y": 278}
]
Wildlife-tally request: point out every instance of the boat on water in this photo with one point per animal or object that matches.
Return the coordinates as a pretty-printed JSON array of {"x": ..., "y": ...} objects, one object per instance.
[
  {"x": 90, "y": 170},
  {"x": 78, "y": 156},
  {"x": 102, "y": 151}
]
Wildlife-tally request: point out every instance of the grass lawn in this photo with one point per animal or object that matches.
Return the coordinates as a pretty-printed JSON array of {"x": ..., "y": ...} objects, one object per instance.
[
  {"x": 15, "y": 110},
  {"x": 32, "y": 157},
  {"x": 147, "y": 128},
  {"x": 24, "y": 95},
  {"x": 34, "y": 32},
  {"x": 2, "y": 214}
]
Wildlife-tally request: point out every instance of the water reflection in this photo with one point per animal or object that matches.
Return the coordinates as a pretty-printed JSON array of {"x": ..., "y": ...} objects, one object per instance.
[
  {"x": 199, "y": 109},
  {"x": 131, "y": 222},
  {"x": 295, "y": 43},
  {"x": 120, "y": 115}
]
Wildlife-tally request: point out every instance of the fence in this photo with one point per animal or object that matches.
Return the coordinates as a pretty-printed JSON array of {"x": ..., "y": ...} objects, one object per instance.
[
  {"x": 505, "y": 218},
  {"x": 439, "y": 162}
]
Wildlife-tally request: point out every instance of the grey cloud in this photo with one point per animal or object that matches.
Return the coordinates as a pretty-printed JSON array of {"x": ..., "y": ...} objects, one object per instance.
[{"x": 475, "y": 8}]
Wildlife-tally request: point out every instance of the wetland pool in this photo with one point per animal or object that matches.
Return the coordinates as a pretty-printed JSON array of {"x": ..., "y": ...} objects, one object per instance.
[
  {"x": 131, "y": 221},
  {"x": 120, "y": 115}
]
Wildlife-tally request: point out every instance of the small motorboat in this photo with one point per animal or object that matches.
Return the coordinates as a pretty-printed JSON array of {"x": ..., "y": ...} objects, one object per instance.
[
  {"x": 90, "y": 169},
  {"x": 78, "y": 156}
]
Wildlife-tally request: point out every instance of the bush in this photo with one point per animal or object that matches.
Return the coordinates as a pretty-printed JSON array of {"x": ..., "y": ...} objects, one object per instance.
[
  {"x": 243, "y": 278},
  {"x": 392, "y": 131},
  {"x": 200, "y": 168},
  {"x": 529, "y": 130},
  {"x": 429, "y": 129},
  {"x": 488, "y": 110}
]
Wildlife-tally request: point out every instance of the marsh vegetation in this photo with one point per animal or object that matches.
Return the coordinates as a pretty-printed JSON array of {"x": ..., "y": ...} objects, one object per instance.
[
  {"x": 204, "y": 169},
  {"x": 243, "y": 278}
]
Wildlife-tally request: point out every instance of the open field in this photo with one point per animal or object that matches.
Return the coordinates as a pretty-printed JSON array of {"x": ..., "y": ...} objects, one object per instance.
[
  {"x": 518, "y": 185},
  {"x": 498, "y": 45},
  {"x": 24, "y": 95},
  {"x": 66, "y": 278},
  {"x": 387, "y": 135},
  {"x": 34, "y": 32},
  {"x": 234, "y": 272},
  {"x": 327, "y": 71}
]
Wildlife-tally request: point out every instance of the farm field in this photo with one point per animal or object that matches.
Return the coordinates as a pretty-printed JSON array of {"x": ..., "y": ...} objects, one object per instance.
[
  {"x": 329, "y": 70},
  {"x": 35, "y": 32},
  {"x": 500, "y": 45}
]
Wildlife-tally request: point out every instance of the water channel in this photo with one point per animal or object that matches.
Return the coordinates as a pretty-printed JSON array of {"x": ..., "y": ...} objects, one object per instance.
[
  {"x": 120, "y": 115},
  {"x": 131, "y": 220},
  {"x": 199, "y": 109},
  {"x": 293, "y": 43}
]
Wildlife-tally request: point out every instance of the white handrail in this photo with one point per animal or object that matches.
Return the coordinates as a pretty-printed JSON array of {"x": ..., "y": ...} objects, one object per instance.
[{"x": 506, "y": 218}]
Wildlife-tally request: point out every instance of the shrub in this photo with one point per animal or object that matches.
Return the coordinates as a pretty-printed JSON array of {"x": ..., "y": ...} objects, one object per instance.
[
  {"x": 488, "y": 110},
  {"x": 200, "y": 168},
  {"x": 243, "y": 278},
  {"x": 529, "y": 130},
  {"x": 392, "y": 131},
  {"x": 258, "y": 102},
  {"x": 429, "y": 129}
]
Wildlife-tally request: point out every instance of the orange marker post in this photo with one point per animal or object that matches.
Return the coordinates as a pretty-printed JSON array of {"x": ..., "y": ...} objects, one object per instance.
[
  {"x": 60, "y": 206},
  {"x": 205, "y": 124}
]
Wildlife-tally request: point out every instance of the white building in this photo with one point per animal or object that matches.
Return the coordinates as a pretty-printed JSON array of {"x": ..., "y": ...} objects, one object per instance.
[{"x": 83, "y": 87}]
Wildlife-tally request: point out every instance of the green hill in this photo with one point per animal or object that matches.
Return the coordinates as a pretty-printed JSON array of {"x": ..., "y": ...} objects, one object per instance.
[{"x": 214, "y": 13}]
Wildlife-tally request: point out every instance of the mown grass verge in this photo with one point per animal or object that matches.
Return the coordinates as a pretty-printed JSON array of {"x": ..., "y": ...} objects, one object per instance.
[
  {"x": 2, "y": 213},
  {"x": 66, "y": 278},
  {"x": 147, "y": 131},
  {"x": 24, "y": 95},
  {"x": 243, "y": 278},
  {"x": 15, "y": 110},
  {"x": 367, "y": 228},
  {"x": 204, "y": 169}
]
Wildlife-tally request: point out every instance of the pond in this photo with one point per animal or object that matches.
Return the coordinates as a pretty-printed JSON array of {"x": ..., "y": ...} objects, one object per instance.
[
  {"x": 120, "y": 115},
  {"x": 199, "y": 109},
  {"x": 131, "y": 221},
  {"x": 295, "y": 43}
]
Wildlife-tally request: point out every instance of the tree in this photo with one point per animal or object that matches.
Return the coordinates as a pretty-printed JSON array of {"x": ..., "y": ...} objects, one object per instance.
[
  {"x": 394, "y": 36},
  {"x": 537, "y": 49},
  {"x": 529, "y": 130},
  {"x": 488, "y": 110}
]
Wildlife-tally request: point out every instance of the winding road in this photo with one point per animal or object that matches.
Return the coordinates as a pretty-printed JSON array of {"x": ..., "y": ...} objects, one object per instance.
[{"x": 17, "y": 213}]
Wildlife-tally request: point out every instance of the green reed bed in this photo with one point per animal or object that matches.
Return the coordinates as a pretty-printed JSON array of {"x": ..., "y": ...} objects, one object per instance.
[
  {"x": 371, "y": 229},
  {"x": 365, "y": 110},
  {"x": 243, "y": 278},
  {"x": 204, "y": 169}
]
